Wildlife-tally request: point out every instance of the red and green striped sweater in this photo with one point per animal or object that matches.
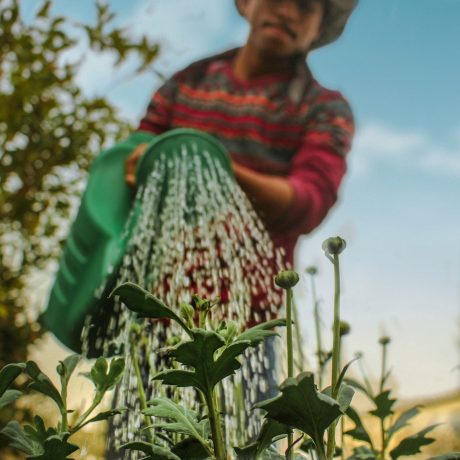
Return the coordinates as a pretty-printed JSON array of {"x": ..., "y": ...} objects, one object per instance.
[{"x": 285, "y": 124}]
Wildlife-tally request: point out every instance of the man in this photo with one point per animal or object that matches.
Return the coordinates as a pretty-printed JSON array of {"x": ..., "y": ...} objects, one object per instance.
[{"x": 287, "y": 135}]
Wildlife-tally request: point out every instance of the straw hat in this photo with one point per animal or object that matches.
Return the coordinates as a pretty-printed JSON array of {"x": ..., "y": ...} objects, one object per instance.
[{"x": 337, "y": 14}]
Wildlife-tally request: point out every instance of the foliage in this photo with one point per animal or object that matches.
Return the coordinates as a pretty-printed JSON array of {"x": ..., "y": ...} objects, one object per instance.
[
  {"x": 383, "y": 411},
  {"x": 209, "y": 356},
  {"x": 49, "y": 132},
  {"x": 303, "y": 407},
  {"x": 36, "y": 440}
]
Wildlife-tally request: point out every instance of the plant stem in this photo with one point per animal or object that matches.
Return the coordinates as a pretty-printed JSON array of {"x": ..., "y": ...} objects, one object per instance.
[
  {"x": 298, "y": 337},
  {"x": 319, "y": 445},
  {"x": 382, "y": 384},
  {"x": 335, "y": 352},
  {"x": 216, "y": 430},
  {"x": 384, "y": 367},
  {"x": 82, "y": 418},
  {"x": 65, "y": 424},
  {"x": 140, "y": 385},
  {"x": 290, "y": 359},
  {"x": 290, "y": 350},
  {"x": 319, "y": 346},
  {"x": 382, "y": 433}
]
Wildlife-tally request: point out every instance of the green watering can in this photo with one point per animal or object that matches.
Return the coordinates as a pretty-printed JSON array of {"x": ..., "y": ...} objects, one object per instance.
[{"x": 99, "y": 235}]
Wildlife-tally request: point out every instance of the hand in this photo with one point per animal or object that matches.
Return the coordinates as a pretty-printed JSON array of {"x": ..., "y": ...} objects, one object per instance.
[{"x": 131, "y": 163}]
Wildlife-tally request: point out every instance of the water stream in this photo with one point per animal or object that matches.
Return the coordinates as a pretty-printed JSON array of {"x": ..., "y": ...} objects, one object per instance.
[{"x": 197, "y": 233}]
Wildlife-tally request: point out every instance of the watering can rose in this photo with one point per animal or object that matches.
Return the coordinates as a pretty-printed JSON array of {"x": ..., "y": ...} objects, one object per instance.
[{"x": 286, "y": 279}]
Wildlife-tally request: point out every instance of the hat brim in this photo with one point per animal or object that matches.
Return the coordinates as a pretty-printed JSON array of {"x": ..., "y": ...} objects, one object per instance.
[{"x": 338, "y": 12}]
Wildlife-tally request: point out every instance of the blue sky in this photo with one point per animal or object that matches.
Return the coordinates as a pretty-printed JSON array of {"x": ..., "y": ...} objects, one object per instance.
[{"x": 398, "y": 63}]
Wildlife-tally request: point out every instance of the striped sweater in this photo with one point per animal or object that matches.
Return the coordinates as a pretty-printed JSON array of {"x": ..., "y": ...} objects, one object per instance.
[{"x": 284, "y": 124}]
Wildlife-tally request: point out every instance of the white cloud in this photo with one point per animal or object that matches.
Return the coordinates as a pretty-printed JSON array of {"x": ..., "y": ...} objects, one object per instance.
[
  {"x": 384, "y": 141},
  {"x": 377, "y": 143},
  {"x": 188, "y": 30}
]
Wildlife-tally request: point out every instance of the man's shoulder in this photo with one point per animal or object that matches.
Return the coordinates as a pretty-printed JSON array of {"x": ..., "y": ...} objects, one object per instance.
[
  {"x": 202, "y": 67},
  {"x": 322, "y": 94},
  {"x": 321, "y": 98}
]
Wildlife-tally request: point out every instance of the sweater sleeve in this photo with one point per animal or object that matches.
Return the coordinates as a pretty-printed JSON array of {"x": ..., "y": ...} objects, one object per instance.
[
  {"x": 159, "y": 111},
  {"x": 319, "y": 165}
]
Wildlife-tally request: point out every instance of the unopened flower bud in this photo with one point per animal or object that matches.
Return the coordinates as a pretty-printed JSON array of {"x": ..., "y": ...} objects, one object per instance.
[
  {"x": 286, "y": 279},
  {"x": 334, "y": 245},
  {"x": 312, "y": 270},
  {"x": 384, "y": 340},
  {"x": 344, "y": 328},
  {"x": 200, "y": 304}
]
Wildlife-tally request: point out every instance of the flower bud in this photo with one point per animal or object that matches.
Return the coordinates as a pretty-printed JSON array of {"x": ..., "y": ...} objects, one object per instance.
[
  {"x": 312, "y": 270},
  {"x": 384, "y": 340},
  {"x": 344, "y": 328},
  {"x": 200, "y": 304},
  {"x": 286, "y": 279},
  {"x": 334, "y": 245}
]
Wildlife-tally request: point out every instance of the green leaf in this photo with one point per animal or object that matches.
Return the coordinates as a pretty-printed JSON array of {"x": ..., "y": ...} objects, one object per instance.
[
  {"x": 103, "y": 416},
  {"x": 363, "y": 453},
  {"x": 8, "y": 397},
  {"x": 270, "y": 432},
  {"x": 190, "y": 449},
  {"x": 43, "y": 12},
  {"x": 152, "y": 451},
  {"x": 260, "y": 332},
  {"x": 104, "y": 377},
  {"x": 42, "y": 384},
  {"x": 210, "y": 367},
  {"x": 184, "y": 421},
  {"x": 56, "y": 448},
  {"x": 8, "y": 375},
  {"x": 145, "y": 304},
  {"x": 343, "y": 373},
  {"x": 358, "y": 432},
  {"x": 66, "y": 368},
  {"x": 344, "y": 397},
  {"x": 412, "y": 444},
  {"x": 199, "y": 354},
  {"x": 301, "y": 406},
  {"x": 20, "y": 440},
  {"x": 383, "y": 404},
  {"x": 401, "y": 421}
]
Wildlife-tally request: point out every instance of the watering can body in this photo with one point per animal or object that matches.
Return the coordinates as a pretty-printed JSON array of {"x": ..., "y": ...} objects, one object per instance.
[{"x": 99, "y": 236}]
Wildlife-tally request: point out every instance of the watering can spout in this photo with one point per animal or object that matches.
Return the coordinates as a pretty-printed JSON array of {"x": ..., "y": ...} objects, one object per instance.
[{"x": 99, "y": 236}]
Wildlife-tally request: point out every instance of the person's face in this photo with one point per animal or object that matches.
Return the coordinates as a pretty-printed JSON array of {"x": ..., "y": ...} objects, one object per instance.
[{"x": 282, "y": 28}]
